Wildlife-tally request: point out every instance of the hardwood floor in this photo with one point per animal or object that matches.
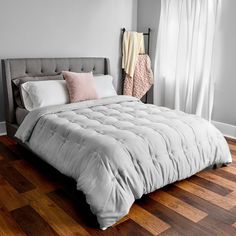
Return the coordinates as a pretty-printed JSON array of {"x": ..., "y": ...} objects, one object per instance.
[{"x": 37, "y": 200}]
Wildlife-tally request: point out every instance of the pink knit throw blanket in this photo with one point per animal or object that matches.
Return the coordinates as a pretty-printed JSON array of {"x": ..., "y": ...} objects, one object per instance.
[{"x": 142, "y": 80}]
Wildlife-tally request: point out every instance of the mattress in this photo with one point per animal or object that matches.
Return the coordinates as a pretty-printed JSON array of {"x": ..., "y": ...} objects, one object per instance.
[
  {"x": 118, "y": 148},
  {"x": 21, "y": 113}
]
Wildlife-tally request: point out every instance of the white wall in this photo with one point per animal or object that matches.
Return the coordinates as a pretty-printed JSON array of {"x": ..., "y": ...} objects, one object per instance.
[
  {"x": 64, "y": 28},
  {"x": 225, "y": 66}
]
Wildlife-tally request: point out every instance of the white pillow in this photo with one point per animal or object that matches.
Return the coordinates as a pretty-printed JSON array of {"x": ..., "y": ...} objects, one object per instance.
[
  {"x": 36, "y": 94},
  {"x": 104, "y": 86}
]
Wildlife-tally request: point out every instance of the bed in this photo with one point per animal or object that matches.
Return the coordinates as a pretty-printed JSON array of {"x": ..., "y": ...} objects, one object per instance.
[{"x": 116, "y": 148}]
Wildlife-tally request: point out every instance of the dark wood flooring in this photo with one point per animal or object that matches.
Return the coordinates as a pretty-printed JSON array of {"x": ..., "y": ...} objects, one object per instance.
[{"x": 37, "y": 200}]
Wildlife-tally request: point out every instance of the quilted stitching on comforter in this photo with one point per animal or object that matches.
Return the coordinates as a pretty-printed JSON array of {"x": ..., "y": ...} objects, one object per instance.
[{"x": 118, "y": 148}]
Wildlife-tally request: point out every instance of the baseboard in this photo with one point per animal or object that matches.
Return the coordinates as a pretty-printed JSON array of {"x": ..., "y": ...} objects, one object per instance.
[
  {"x": 226, "y": 129},
  {"x": 2, "y": 128}
]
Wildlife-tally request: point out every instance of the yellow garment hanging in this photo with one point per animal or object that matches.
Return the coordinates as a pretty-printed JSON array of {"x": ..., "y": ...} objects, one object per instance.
[{"x": 133, "y": 45}]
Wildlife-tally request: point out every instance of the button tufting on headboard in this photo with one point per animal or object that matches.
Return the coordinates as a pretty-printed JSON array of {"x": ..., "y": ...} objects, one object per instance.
[{"x": 15, "y": 68}]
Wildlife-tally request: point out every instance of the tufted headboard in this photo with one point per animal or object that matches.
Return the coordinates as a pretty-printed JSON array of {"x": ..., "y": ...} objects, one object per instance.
[{"x": 15, "y": 68}]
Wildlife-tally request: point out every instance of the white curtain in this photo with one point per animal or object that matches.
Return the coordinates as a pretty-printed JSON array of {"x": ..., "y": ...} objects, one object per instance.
[{"x": 184, "y": 57}]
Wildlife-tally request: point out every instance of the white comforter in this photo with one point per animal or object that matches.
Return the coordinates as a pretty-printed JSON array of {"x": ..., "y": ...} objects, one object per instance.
[{"x": 118, "y": 148}]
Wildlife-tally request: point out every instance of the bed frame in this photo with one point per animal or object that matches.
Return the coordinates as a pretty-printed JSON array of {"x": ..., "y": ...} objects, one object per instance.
[{"x": 15, "y": 68}]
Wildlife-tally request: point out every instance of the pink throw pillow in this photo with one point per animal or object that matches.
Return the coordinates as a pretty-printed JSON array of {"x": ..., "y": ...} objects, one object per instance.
[{"x": 81, "y": 86}]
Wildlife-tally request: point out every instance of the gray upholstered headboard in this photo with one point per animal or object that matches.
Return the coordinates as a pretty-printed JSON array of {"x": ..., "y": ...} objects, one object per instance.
[{"x": 15, "y": 68}]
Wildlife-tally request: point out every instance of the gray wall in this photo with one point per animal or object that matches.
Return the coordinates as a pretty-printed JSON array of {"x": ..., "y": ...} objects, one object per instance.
[
  {"x": 57, "y": 28},
  {"x": 148, "y": 17},
  {"x": 225, "y": 66},
  {"x": 64, "y": 28}
]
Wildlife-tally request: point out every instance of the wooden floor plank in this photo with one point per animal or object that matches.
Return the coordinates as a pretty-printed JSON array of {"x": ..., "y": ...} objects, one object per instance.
[
  {"x": 129, "y": 227},
  {"x": 178, "y": 206},
  {"x": 8, "y": 226},
  {"x": 212, "y": 197},
  {"x": 232, "y": 146},
  {"x": 35, "y": 176},
  {"x": 233, "y": 211},
  {"x": 222, "y": 228},
  {"x": 7, "y": 141},
  {"x": 148, "y": 221},
  {"x": 201, "y": 205},
  {"x": 14, "y": 178},
  {"x": 213, "y": 210},
  {"x": 9, "y": 197},
  {"x": 231, "y": 169},
  {"x": 221, "y": 172},
  {"x": 232, "y": 196},
  {"x": 170, "y": 232},
  {"x": 7, "y": 154},
  {"x": 218, "y": 179},
  {"x": 233, "y": 164},
  {"x": 62, "y": 223},
  {"x": 76, "y": 208},
  {"x": 123, "y": 219},
  {"x": 212, "y": 186},
  {"x": 31, "y": 222},
  {"x": 178, "y": 222},
  {"x": 33, "y": 195},
  {"x": 234, "y": 225}
]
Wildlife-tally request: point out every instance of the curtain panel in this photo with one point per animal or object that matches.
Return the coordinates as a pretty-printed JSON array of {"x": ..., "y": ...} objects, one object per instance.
[{"x": 185, "y": 56}]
